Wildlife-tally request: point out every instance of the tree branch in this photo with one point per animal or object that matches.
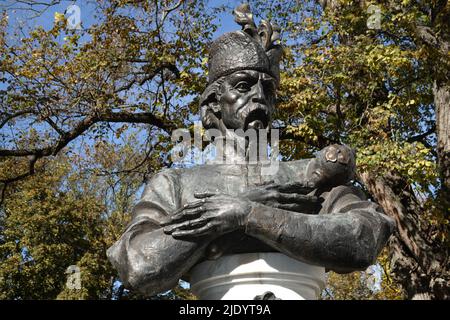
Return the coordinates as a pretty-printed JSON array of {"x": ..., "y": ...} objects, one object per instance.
[
  {"x": 169, "y": 10},
  {"x": 9, "y": 117},
  {"x": 420, "y": 137},
  {"x": 149, "y": 76},
  {"x": 84, "y": 125}
]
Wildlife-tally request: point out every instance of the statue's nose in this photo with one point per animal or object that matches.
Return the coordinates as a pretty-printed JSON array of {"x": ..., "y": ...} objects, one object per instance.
[{"x": 258, "y": 94}]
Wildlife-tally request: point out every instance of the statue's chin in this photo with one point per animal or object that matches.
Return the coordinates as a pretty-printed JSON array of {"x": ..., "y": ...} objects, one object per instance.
[{"x": 256, "y": 124}]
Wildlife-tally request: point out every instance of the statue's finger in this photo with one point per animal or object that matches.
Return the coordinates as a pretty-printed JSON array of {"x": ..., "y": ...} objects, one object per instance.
[
  {"x": 264, "y": 184},
  {"x": 186, "y": 214},
  {"x": 272, "y": 186},
  {"x": 262, "y": 188},
  {"x": 190, "y": 205},
  {"x": 203, "y": 231},
  {"x": 185, "y": 225},
  {"x": 301, "y": 198},
  {"x": 202, "y": 195},
  {"x": 287, "y": 197},
  {"x": 296, "y": 198},
  {"x": 298, "y": 187},
  {"x": 286, "y": 206}
]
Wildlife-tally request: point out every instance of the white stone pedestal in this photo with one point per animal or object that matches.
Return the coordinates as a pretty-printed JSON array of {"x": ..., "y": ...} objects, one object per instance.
[{"x": 244, "y": 276}]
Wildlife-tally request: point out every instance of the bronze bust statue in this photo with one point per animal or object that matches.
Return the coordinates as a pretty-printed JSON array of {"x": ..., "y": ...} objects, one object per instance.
[{"x": 307, "y": 210}]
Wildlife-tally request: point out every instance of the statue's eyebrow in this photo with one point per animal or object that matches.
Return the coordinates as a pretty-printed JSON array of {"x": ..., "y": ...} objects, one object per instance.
[
  {"x": 267, "y": 78},
  {"x": 241, "y": 75}
]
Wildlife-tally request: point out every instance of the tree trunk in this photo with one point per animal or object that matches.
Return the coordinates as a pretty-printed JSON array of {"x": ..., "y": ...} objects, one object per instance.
[
  {"x": 441, "y": 91},
  {"x": 419, "y": 263}
]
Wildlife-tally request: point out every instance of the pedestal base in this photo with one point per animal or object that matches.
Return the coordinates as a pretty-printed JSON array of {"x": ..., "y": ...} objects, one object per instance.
[{"x": 245, "y": 276}]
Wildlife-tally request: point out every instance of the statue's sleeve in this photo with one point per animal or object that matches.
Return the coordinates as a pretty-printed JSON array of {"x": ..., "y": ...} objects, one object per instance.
[
  {"x": 347, "y": 234},
  {"x": 147, "y": 259},
  {"x": 371, "y": 227}
]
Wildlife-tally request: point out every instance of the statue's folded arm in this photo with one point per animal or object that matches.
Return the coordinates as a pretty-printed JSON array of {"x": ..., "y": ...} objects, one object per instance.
[{"x": 347, "y": 235}]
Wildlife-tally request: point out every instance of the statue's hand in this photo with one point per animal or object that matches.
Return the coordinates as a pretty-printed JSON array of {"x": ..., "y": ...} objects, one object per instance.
[
  {"x": 213, "y": 215},
  {"x": 292, "y": 197}
]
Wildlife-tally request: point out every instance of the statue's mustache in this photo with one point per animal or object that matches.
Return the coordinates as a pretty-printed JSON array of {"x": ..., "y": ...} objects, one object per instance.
[
  {"x": 254, "y": 107},
  {"x": 256, "y": 112}
]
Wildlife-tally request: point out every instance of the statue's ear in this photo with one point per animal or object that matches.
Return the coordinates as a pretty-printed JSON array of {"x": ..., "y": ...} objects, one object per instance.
[
  {"x": 210, "y": 114},
  {"x": 210, "y": 109}
]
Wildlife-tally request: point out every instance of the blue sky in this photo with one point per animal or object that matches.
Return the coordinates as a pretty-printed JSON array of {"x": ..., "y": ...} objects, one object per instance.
[{"x": 17, "y": 14}]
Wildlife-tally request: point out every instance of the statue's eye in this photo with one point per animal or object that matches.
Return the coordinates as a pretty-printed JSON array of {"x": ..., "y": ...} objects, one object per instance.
[{"x": 242, "y": 86}]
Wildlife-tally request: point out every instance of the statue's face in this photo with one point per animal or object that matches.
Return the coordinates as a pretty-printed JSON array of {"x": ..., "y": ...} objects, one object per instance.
[{"x": 247, "y": 100}]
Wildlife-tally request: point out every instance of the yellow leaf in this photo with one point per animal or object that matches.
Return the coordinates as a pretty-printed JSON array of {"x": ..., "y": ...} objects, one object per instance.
[{"x": 59, "y": 17}]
